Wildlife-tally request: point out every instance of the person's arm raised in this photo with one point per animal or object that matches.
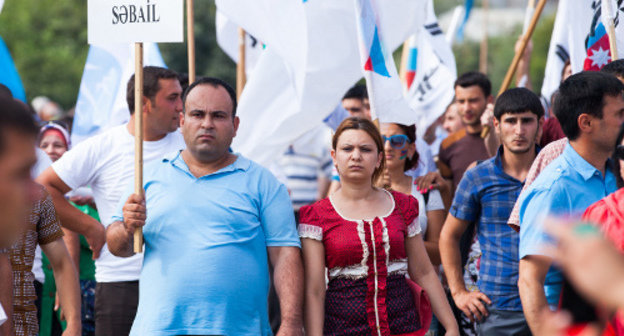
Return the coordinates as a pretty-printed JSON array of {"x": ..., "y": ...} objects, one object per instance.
[
  {"x": 70, "y": 217},
  {"x": 120, "y": 234}
]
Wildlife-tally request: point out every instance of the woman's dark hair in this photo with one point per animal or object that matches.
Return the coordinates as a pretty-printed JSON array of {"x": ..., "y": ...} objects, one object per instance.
[
  {"x": 410, "y": 131},
  {"x": 357, "y": 123},
  {"x": 616, "y": 160}
]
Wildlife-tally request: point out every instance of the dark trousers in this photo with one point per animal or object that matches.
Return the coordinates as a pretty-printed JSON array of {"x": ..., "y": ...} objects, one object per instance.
[
  {"x": 115, "y": 307},
  {"x": 55, "y": 328}
]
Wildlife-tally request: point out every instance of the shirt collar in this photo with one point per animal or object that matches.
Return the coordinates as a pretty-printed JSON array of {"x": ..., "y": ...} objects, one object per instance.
[
  {"x": 176, "y": 160},
  {"x": 576, "y": 161},
  {"x": 498, "y": 159}
]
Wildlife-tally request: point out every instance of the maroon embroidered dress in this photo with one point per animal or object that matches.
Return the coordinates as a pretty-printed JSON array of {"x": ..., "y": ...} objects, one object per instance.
[{"x": 367, "y": 293}]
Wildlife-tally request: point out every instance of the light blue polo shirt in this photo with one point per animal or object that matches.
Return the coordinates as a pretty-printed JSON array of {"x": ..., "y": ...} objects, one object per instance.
[
  {"x": 566, "y": 187},
  {"x": 205, "y": 270}
]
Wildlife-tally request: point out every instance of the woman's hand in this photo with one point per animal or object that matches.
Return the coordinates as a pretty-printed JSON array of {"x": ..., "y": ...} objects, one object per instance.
[{"x": 430, "y": 181}]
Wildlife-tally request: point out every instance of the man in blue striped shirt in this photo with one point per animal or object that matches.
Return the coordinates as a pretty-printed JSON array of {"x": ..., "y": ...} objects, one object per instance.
[{"x": 485, "y": 195}]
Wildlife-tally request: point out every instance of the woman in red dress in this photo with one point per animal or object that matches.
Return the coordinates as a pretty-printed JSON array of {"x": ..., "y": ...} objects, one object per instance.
[{"x": 369, "y": 240}]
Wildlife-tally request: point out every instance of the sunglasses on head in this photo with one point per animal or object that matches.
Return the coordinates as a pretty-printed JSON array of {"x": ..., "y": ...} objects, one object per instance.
[
  {"x": 619, "y": 152},
  {"x": 397, "y": 141}
]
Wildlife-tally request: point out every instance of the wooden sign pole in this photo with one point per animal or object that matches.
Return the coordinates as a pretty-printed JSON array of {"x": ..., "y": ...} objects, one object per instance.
[
  {"x": 190, "y": 33},
  {"x": 241, "y": 76},
  {"x": 514, "y": 63},
  {"x": 138, "y": 135},
  {"x": 608, "y": 13}
]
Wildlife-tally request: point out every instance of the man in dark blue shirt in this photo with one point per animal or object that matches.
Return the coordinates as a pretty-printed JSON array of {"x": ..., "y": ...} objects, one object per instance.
[{"x": 485, "y": 195}]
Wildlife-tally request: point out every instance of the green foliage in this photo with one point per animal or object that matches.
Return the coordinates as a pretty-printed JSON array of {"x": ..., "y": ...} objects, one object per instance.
[
  {"x": 48, "y": 42},
  {"x": 501, "y": 53}
]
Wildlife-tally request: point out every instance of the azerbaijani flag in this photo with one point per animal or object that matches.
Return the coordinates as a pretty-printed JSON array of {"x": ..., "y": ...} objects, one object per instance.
[
  {"x": 412, "y": 61},
  {"x": 384, "y": 88},
  {"x": 369, "y": 37},
  {"x": 598, "y": 50}
]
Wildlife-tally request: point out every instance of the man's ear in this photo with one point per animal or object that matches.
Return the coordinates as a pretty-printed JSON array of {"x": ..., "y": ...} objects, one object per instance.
[
  {"x": 496, "y": 124},
  {"x": 540, "y": 130},
  {"x": 147, "y": 105},
  {"x": 236, "y": 123},
  {"x": 490, "y": 99},
  {"x": 181, "y": 118},
  {"x": 585, "y": 122}
]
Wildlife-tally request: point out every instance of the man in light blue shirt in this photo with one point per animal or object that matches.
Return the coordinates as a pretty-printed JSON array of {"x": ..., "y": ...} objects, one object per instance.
[
  {"x": 214, "y": 220},
  {"x": 590, "y": 108}
]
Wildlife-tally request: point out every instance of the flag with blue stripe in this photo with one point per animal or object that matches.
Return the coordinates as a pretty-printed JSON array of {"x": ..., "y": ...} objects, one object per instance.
[
  {"x": 8, "y": 73},
  {"x": 101, "y": 100}
]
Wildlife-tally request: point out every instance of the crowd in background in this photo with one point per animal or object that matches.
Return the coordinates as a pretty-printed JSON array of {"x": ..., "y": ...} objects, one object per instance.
[{"x": 357, "y": 229}]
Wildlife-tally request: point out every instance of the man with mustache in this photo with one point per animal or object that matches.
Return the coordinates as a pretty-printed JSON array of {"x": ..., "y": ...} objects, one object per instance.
[
  {"x": 105, "y": 163},
  {"x": 213, "y": 220},
  {"x": 485, "y": 196}
]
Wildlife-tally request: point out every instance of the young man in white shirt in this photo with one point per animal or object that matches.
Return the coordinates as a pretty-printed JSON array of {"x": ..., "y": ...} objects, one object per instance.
[{"x": 105, "y": 162}]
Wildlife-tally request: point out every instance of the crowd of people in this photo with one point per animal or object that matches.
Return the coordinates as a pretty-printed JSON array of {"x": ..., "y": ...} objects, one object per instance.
[{"x": 358, "y": 228}]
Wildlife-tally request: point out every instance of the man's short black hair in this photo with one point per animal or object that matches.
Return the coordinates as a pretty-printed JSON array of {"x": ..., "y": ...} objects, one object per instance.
[
  {"x": 584, "y": 92},
  {"x": 214, "y": 82},
  {"x": 5, "y": 91},
  {"x": 14, "y": 116},
  {"x": 358, "y": 91},
  {"x": 518, "y": 100},
  {"x": 475, "y": 78},
  {"x": 615, "y": 68},
  {"x": 151, "y": 76}
]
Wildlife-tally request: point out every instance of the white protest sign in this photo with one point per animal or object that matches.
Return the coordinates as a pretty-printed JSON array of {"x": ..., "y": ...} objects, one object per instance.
[{"x": 127, "y": 21}]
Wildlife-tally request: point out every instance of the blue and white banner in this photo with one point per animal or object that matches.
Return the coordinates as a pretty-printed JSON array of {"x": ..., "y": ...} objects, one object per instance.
[{"x": 102, "y": 98}]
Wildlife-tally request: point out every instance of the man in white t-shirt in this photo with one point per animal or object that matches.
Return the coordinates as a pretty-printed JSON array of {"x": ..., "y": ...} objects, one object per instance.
[{"x": 105, "y": 162}]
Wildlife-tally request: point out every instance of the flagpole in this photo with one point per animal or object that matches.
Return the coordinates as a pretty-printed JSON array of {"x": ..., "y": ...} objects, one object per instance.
[
  {"x": 403, "y": 65},
  {"x": 514, "y": 63},
  {"x": 483, "y": 50},
  {"x": 138, "y": 135},
  {"x": 608, "y": 12},
  {"x": 190, "y": 35},
  {"x": 241, "y": 77}
]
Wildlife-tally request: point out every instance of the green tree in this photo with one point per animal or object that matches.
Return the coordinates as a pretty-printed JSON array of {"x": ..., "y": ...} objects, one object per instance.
[
  {"x": 501, "y": 53},
  {"x": 48, "y": 42}
]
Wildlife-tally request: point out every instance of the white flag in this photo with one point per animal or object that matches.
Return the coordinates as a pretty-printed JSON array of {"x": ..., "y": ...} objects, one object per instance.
[
  {"x": 589, "y": 42},
  {"x": 432, "y": 89},
  {"x": 385, "y": 93},
  {"x": 558, "y": 52},
  {"x": 228, "y": 40},
  {"x": 102, "y": 98},
  {"x": 273, "y": 111}
]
